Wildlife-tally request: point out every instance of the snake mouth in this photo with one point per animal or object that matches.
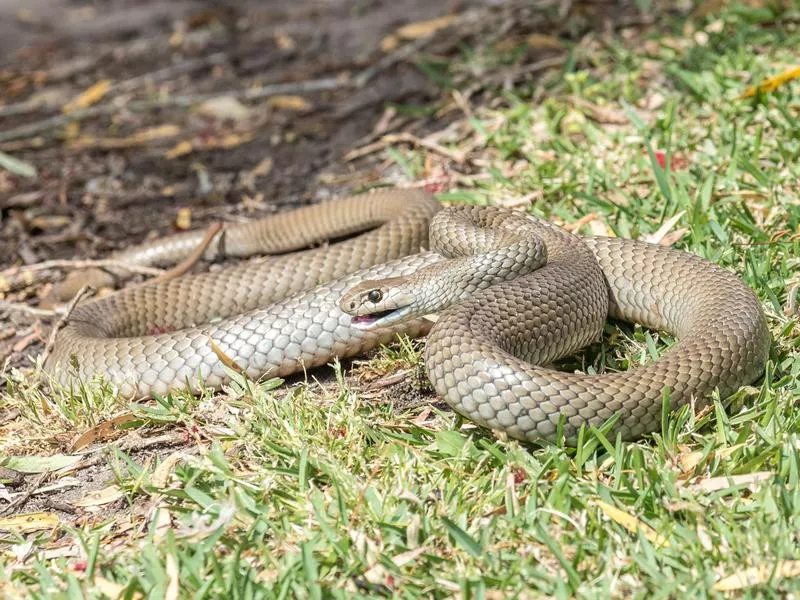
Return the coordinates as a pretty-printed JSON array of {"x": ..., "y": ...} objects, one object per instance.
[{"x": 372, "y": 319}]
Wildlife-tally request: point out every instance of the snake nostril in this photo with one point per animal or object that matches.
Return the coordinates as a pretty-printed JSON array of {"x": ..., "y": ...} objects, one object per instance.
[{"x": 352, "y": 305}]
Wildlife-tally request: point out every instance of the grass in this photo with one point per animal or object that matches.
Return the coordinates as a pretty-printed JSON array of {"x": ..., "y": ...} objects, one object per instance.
[{"x": 319, "y": 491}]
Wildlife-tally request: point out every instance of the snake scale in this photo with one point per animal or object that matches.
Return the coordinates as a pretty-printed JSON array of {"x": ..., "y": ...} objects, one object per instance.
[{"x": 513, "y": 294}]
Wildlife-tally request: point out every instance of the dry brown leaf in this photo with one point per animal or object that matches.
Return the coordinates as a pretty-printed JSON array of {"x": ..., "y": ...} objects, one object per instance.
[
  {"x": 101, "y": 432},
  {"x": 758, "y": 575},
  {"x": 713, "y": 484},
  {"x": 162, "y": 521},
  {"x": 174, "y": 578},
  {"x": 414, "y": 31},
  {"x": 575, "y": 226},
  {"x": 223, "y": 108},
  {"x": 112, "y": 589},
  {"x": 284, "y": 41},
  {"x": 89, "y": 96},
  {"x": 633, "y": 524},
  {"x": 773, "y": 83},
  {"x": 46, "y": 222},
  {"x": 657, "y": 237},
  {"x": 183, "y": 219},
  {"x": 160, "y": 477},
  {"x": 598, "y": 227},
  {"x": 224, "y": 358},
  {"x": 182, "y": 148},
  {"x": 107, "y": 495},
  {"x": 29, "y": 522},
  {"x": 389, "y": 43},
  {"x": 230, "y": 140},
  {"x": 293, "y": 103},
  {"x": 263, "y": 168},
  {"x": 540, "y": 41},
  {"x": 139, "y": 138}
]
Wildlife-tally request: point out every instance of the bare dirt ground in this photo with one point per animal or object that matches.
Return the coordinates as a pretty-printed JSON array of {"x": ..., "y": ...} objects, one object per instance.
[{"x": 144, "y": 117}]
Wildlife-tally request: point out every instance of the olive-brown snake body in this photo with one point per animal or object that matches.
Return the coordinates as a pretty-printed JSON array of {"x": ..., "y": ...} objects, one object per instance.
[{"x": 276, "y": 316}]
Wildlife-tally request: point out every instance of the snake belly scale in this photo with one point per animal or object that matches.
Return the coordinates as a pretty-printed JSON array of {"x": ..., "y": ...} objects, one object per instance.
[{"x": 285, "y": 313}]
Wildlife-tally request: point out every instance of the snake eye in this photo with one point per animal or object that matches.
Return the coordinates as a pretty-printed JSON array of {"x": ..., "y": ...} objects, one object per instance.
[{"x": 375, "y": 296}]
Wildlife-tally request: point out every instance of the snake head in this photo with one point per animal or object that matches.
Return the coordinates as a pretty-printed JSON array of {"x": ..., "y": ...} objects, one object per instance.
[{"x": 373, "y": 304}]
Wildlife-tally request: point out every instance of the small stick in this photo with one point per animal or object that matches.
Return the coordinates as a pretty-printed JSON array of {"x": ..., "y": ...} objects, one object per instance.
[
  {"x": 188, "y": 262},
  {"x": 29, "y": 310},
  {"x": 80, "y": 264},
  {"x": 63, "y": 320}
]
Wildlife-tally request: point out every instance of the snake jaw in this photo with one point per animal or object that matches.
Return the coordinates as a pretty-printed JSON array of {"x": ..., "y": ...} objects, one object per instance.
[{"x": 370, "y": 321}]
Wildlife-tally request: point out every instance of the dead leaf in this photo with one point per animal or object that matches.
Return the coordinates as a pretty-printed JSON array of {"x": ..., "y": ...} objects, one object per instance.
[
  {"x": 773, "y": 83},
  {"x": 180, "y": 149},
  {"x": 174, "y": 580},
  {"x": 633, "y": 524},
  {"x": 17, "y": 166},
  {"x": 30, "y": 522},
  {"x": 162, "y": 522},
  {"x": 263, "y": 168},
  {"x": 284, "y": 41},
  {"x": 224, "y": 358},
  {"x": 414, "y": 31},
  {"x": 39, "y": 464},
  {"x": 183, "y": 220},
  {"x": 575, "y": 226},
  {"x": 758, "y": 576},
  {"x": 107, "y": 495},
  {"x": 658, "y": 236},
  {"x": 111, "y": 589},
  {"x": 89, "y": 96},
  {"x": 714, "y": 484},
  {"x": 160, "y": 477},
  {"x": 293, "y": 103},
  {"x": 540, "y": 41},
  {"x": 223, "y": 108},
  {"x": 101, "y": 432},
  {"x": 139, "y": 138}
]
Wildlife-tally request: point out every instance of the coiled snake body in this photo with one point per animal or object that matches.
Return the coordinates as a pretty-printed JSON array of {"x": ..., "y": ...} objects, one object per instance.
[{"x": 528, "y": 293}]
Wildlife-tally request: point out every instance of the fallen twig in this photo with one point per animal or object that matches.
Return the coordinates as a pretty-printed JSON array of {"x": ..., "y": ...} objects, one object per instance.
[
  {"x": 63, "y": 320},
  {"x": 396, "y": 138},
  {"x": 80, "y": 264},
  {"x": 188, "y": 262},
  {"x": 29, "y": 310}
]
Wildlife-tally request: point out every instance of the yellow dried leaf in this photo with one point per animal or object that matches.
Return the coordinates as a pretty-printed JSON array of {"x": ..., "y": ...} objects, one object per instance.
[
  {"x": 714, "y": 484},
  {"x": 180, "y": 149},
  {"x": 539, "y": 41},
  {"x": 89, "y": 96},
  {"x": 29, "y": 522},
  {"x": 99, "y": 497},
  {"x": 689, "y": 460},
  {"x": 284, "y": 41},
  {"x": 263, "y": 168},
  {"x": 111, "y": 589},
  {"x": 633, "y": 524},
  {"x": 389, "y": 43},
  {"x": 773, "y": 83},
  {"x": 161, "y": 474},
  {"x": 174, "y": 580},
  {"x": 295, "y": 103},
  {"x": 658, "y": 236},
  {"x": 758, "y": 575},
  {"x": 183, "y": 220},
  {"x": 136, "y": 139},
  {"x": 414, "y": 31},
  {"x": 101, "y": 431}
]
